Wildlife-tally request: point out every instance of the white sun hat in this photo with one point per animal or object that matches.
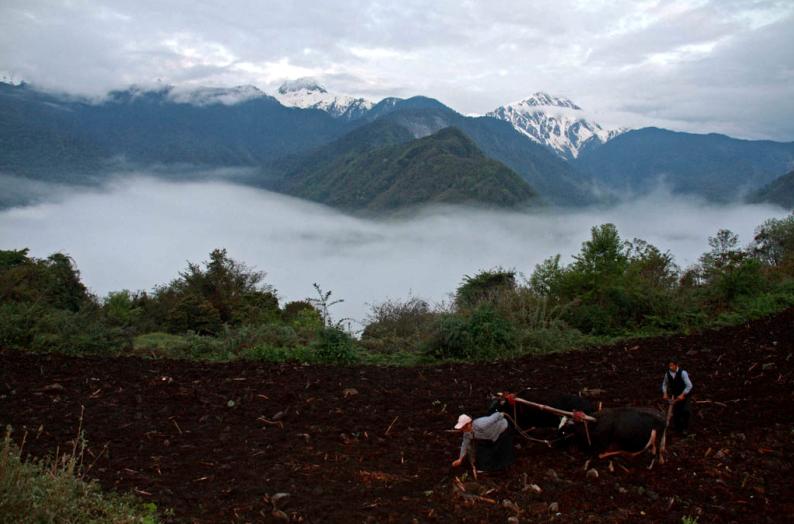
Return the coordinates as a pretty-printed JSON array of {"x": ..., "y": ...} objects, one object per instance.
[{"x": 462, "y": 421}]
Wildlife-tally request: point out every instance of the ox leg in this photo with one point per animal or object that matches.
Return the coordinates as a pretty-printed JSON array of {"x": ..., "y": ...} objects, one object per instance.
[
  {"x": 663, "y": 446},
  {"x": 651, "y": 442}
]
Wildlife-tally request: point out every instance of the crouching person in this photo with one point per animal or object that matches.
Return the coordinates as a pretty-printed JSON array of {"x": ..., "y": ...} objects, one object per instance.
[{"x": 487, "y": 441}]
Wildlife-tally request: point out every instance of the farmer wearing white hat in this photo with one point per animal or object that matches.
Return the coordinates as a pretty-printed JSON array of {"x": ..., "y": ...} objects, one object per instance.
[{"x": 487, "y": 441}]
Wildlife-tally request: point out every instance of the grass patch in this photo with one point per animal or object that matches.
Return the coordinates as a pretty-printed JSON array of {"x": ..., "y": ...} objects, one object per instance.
[{"x": 57, "y": 491}]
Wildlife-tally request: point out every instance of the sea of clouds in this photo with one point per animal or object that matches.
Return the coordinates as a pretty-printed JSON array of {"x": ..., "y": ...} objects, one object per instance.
[{"x": 138, "y": 232}]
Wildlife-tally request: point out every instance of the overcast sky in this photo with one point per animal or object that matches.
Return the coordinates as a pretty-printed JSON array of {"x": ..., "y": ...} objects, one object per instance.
[{"x": 723, "y": 65}]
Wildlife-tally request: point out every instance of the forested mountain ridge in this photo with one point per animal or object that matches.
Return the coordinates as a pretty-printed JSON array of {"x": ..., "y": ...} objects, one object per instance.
[{"x": 443, "y": 168}]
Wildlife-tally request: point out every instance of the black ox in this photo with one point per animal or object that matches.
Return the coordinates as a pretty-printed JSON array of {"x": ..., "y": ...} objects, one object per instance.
[{"x": 624, "y": 431}]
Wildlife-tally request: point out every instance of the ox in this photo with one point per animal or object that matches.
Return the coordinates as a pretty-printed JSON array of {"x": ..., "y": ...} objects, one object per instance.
[
  {"x": 528, "y": 418},
  {"x": 624, "y": 431}
]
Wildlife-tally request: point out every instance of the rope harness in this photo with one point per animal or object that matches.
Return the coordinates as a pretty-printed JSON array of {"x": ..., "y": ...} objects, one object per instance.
[{"x": 581, "y": 416}]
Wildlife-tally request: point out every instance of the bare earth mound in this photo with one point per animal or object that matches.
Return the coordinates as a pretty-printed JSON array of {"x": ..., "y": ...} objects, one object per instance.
[{"x": 216, "y": 442}]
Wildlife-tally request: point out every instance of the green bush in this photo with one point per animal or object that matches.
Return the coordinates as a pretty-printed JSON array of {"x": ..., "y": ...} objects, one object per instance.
[
  {"x": 552, "y": 339},
  {"x": 482, "y": 335},
  {"x": 307, "y": 323},
  {"x": 120, "y": 309},
  {"x": 334, "y": 346},
  {"x": 159, "y": 344},
  {"x": 25, "y": 326},
  {"x": 396, "y": 326},
  {"x": 485, "y": 286}
]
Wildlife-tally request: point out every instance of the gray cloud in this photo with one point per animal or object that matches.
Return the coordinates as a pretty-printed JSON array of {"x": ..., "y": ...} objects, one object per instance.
[
  {"x": 140, "y": 232},
  {"x": 697, "y": 65}
]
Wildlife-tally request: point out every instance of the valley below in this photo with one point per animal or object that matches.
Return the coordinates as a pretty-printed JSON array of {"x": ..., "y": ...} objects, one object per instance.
[{"x": 137, "y": 232}]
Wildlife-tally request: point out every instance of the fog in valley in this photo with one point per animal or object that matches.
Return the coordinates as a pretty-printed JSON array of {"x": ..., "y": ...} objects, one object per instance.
[{"x": 139, "y": 232}]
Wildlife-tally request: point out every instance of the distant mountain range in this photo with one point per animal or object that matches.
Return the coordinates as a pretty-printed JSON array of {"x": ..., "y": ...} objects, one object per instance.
[
  {"x": 363, "y": 156},
  {"x": 716, "y": 167}
]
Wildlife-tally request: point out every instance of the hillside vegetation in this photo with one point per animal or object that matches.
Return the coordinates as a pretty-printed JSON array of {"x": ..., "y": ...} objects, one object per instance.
[
  {"x": 780, "y": 191},
  {"x": 446, "y": 167},
  {"x": 223, "y": 310}
]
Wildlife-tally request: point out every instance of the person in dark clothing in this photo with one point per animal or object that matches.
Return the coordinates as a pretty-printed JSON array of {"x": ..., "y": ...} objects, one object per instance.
[
  {"x": 676, "y": 388},
  {"x": 487, "y": 441}
]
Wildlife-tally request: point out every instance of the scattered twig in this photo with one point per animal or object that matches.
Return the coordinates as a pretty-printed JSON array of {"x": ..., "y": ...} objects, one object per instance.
[
  {"x": 721, "y": 404},
  {"x": 392, "y": 424},
  {"x": 271, "y": 422},
  {"x": 104, "y": 449}
]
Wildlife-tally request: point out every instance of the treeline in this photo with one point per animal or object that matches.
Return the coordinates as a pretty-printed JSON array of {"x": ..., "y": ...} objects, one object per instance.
[{"x": 222, "y": 309}]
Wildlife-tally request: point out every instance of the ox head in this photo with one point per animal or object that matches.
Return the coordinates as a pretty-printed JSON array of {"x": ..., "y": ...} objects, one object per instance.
[{"x": 497, "y": 402}]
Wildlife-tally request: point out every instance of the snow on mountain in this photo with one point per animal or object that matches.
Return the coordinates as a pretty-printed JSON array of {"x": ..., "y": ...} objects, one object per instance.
[
  {"x": 555, "y": 122},
  {"x": 204, "y": 96},
  {"x": 308, "y": 93}
]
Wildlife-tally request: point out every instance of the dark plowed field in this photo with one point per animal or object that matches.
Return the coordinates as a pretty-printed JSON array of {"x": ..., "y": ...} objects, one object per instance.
[{"x": 358, "y": 444}]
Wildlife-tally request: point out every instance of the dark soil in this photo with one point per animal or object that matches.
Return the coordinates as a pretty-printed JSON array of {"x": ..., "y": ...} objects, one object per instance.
[{"x": 216, "y": 442}]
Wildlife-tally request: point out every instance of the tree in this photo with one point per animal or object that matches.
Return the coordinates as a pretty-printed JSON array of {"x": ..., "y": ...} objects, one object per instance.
[
  {"x": 222, "y": 292},
  {"x": 604, "y": 255},
  {"x": 773, "y": 244},
  {"x": 545, "y": 280},
  {"x": 485, "y": 286}
]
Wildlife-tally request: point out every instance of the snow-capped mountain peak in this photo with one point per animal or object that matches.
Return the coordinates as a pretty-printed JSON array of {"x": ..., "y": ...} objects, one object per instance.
[
  {"x": 308, "y": 93},
  {"x": 541, "y": 99},
  {"x": 555, "y": 122}
]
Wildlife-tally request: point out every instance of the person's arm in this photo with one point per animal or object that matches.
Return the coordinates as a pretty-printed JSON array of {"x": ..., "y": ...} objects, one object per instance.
[
  {"x": 464, "y": 449},
  {"x": 664, "y": 386},
  {"x": 687, "y": 383}
]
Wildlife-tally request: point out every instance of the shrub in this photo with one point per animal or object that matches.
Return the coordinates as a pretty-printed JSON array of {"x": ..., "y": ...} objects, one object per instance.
[
  {"x": 307, "y": 322},
  {"x": 120, "y": 309},
  {"x": 334, "y": 346},
  {"x": 395, "y": 326},
  {"x": 159, "y": 344},
  {"x": 248, "y": 336},
  {"x": 485, "y": 286},
  {"x": 53, "y": 282},
  {"x": 482, "y": 335},
  {"x": 552, "y": 338}
]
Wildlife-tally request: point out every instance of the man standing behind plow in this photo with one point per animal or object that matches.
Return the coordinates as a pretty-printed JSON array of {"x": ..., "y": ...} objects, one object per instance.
[
  {"x": 676, "y": 388},
  {"x": 487, "y": 441}
]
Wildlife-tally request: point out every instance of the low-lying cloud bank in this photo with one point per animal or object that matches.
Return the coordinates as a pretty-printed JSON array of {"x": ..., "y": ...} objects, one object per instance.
[{"x": 140, "y": 232}]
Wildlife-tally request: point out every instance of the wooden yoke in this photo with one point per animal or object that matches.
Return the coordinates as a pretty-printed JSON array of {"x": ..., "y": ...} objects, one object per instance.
[{"x": 555, "y": 411}]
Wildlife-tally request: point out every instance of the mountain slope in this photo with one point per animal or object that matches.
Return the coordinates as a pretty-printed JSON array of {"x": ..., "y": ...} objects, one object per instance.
[
  {"x": 556, "y": 181},
  {"x": 556, "y": 123},
  {"x": 56, "y": 138},
  {"x": 713, "y": 166},
  {"x": 307, "y": 93},
  {"x": 780, "y": 191},
  {"x": 445, "y": 167}
]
